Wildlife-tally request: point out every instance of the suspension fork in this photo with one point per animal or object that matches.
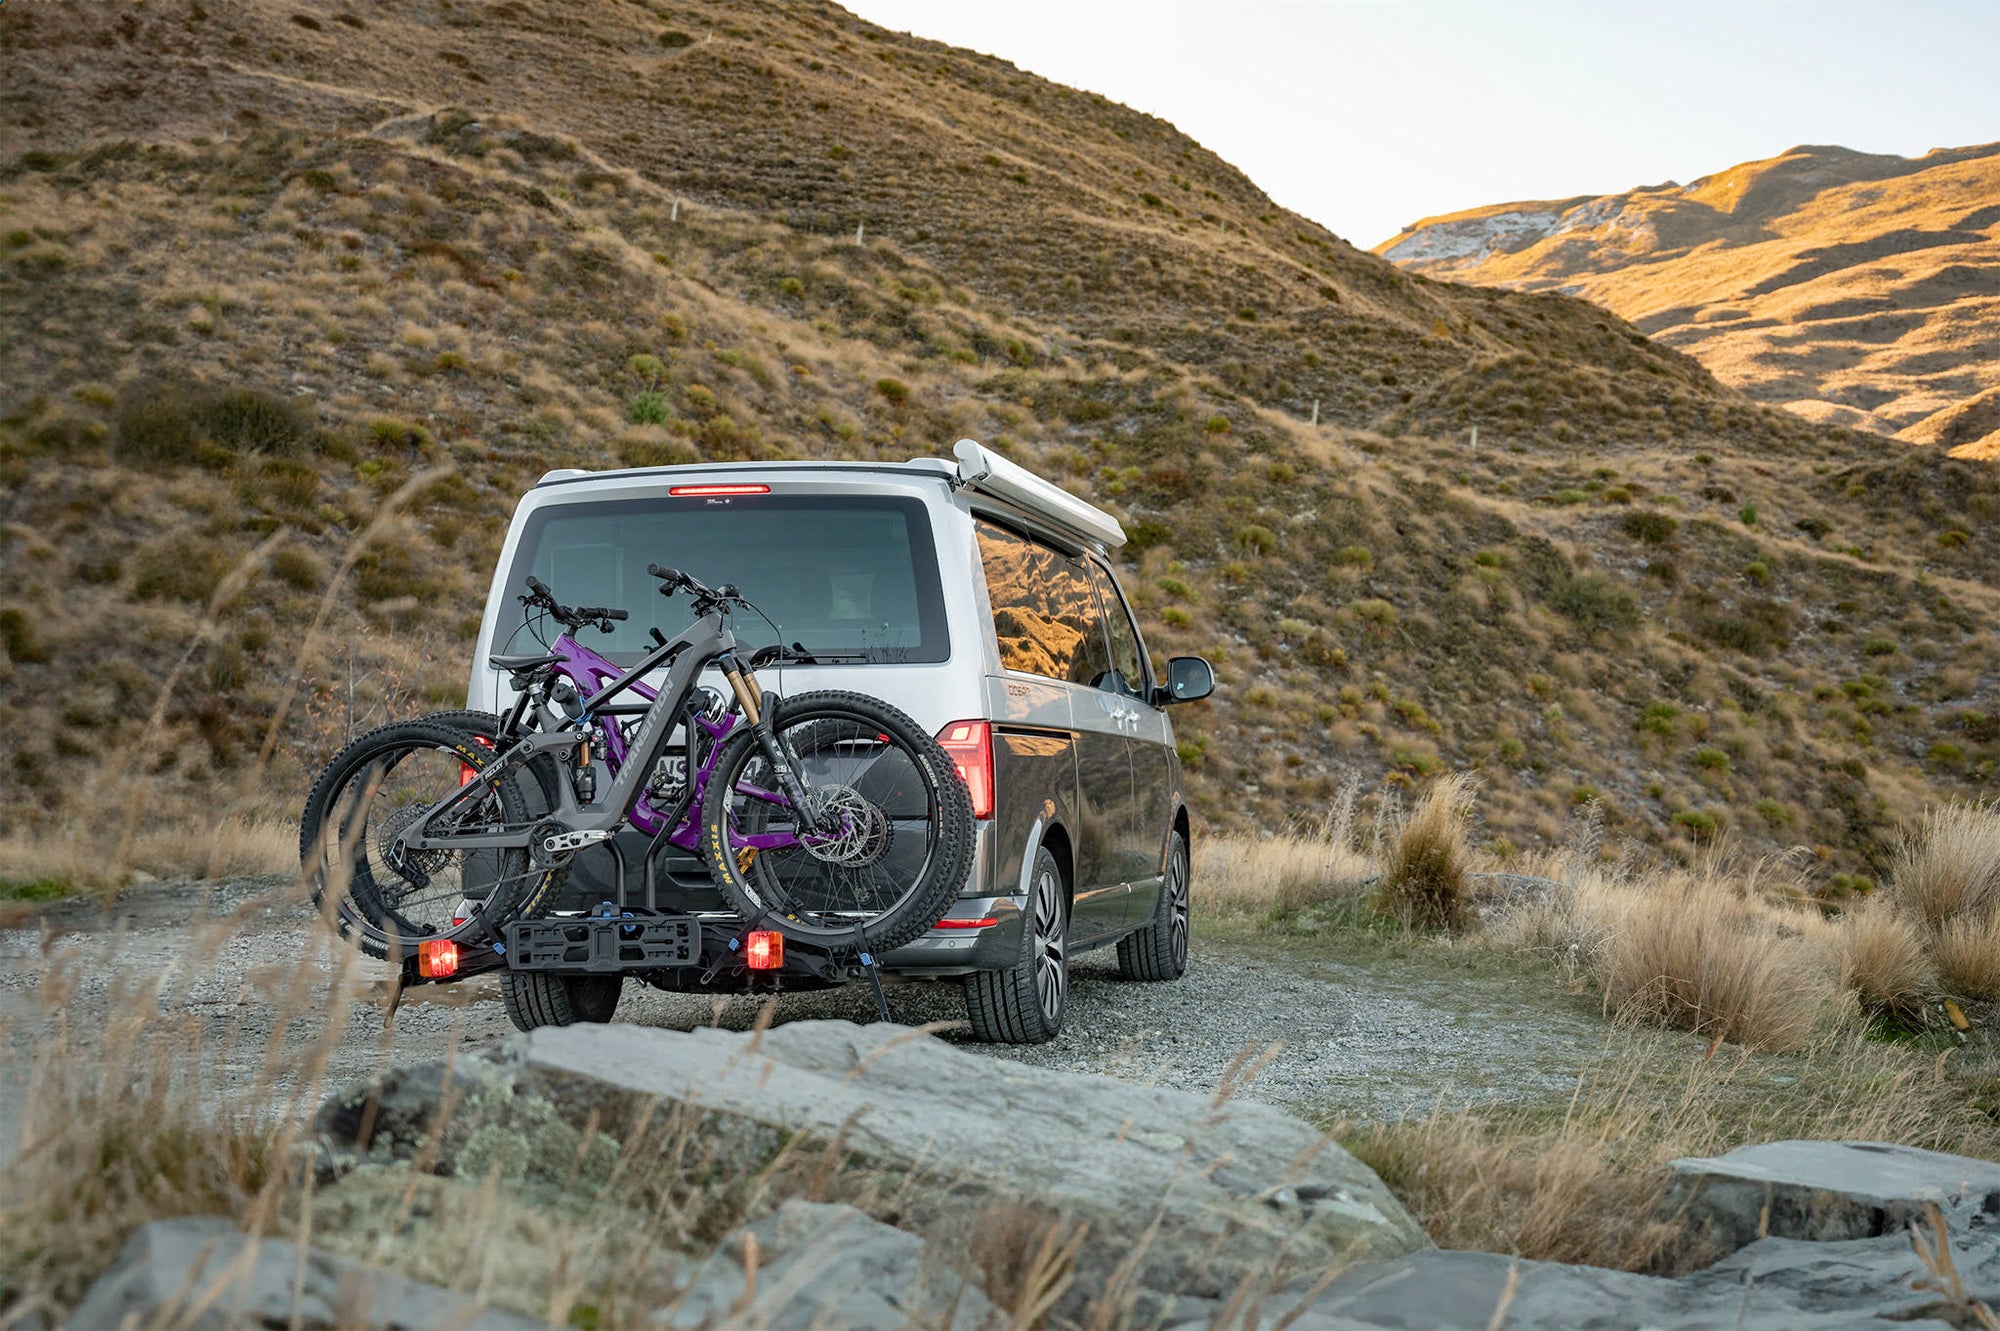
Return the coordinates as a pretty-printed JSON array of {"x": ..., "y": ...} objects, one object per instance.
[{"x": 750, "y": 697}]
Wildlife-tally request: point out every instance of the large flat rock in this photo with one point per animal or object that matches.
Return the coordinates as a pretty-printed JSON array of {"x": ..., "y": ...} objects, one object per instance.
[
  {"x": 1198, "y": 1197},
  {"x": 1826, "y": 1190}
]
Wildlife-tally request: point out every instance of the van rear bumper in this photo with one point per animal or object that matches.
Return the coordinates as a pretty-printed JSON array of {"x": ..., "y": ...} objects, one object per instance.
[{"x": 958, "y": 946}]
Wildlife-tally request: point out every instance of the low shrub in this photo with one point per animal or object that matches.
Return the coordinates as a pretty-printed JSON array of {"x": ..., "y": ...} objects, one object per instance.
[
  {"x": 1649, "y": 528},
  {"x": 1594, "y": 601},
  {"x": 175, "y": 424},
  {"x": 178, "y": 570}
]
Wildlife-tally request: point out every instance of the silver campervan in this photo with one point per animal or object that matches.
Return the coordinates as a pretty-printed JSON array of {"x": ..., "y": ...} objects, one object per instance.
[{"x": 978, "y": 598}]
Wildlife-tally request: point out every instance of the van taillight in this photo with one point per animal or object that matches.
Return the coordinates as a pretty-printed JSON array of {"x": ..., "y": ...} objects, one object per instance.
[
  {"x": 690, "y": 491},
  {"x": 970, "y": 744}
]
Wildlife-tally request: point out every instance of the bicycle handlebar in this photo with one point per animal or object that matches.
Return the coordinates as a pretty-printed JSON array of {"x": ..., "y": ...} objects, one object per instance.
[{"x": 570, "y": 616}]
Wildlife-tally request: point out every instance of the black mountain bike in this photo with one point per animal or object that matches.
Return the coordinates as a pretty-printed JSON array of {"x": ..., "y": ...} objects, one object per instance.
[{"x": 830, "y": 817}]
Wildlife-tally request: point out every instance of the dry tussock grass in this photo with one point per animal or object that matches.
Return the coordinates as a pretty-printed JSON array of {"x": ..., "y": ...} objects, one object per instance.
[
  {"x": 189, "y": 841},
  {"x": 1884, "y": 959},
  {"x": 1968, "y": 956},
  {"x": 1690, "y": 956},
  {"x": 1589, "y": 1186},
  {"x": 1427, "y": 856},
  {"x": 1950, "y": 868},
  {"x": 1319, "y": 865}
]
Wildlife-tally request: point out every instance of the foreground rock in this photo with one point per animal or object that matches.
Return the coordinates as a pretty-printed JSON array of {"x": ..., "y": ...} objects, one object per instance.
[
  {"x": 1773, "y": 1285},
  {"x": 1825, "y": 1190},
  {"x": 821, "y": 1265},
  {"x": 204, "y": 1274},
  {"x": 1196, "y": 1199}
]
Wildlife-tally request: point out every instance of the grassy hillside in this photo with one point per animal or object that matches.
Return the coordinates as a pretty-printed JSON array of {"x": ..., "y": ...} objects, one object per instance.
[
  {"x": 1856, "y": 288},
  {"x": 298, "y": 299}
]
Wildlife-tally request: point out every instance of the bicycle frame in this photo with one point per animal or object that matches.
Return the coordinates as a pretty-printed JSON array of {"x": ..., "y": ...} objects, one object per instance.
[{"x": 707, "y": 641}]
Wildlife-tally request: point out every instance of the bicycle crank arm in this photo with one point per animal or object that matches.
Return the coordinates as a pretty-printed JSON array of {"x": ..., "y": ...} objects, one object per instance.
[{"x": 560, "y": 843}]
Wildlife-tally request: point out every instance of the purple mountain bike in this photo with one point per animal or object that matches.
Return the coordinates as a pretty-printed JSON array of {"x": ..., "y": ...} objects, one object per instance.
[{"x": 830, "y": 817}]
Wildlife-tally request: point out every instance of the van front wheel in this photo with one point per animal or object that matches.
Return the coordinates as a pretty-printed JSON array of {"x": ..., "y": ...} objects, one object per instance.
[{"x": 1158, "y": 949}]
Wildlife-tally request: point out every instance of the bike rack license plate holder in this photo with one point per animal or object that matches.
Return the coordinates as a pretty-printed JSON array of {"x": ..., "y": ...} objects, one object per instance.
[{"x": 597, "y": 945}]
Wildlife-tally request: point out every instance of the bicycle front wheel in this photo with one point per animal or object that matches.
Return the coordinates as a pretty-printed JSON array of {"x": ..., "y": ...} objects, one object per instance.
[{"x": 894, "y": 834}]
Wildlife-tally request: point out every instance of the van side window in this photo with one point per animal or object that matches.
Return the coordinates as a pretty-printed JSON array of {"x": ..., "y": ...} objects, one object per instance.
[
  {"x": 1128, "y": 676},
  {"x": 1045, "y": 615}
]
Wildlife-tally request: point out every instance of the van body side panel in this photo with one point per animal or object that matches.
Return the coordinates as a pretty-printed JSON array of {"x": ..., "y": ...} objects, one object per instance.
[{"x": 1034, "y": 769}]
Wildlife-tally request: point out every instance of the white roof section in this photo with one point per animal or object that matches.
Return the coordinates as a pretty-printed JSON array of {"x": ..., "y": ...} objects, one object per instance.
[{"x": 981, "y": 469}]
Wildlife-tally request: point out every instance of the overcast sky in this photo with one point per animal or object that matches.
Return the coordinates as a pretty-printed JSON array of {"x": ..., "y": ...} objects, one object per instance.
[{"x": 1366, "y": 115}]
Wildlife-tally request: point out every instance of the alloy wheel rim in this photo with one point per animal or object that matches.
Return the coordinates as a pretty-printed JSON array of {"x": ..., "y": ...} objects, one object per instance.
[
  {"x": 1177, "y": 899},
  {"x": 1051, "y": 972}
]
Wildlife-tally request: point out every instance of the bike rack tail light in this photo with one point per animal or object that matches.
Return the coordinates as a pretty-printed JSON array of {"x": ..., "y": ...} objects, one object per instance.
[
  {"x": 970, "y": 747},
  {"x": 437, "y": 958},
  {"x": 764, "y": 949}
]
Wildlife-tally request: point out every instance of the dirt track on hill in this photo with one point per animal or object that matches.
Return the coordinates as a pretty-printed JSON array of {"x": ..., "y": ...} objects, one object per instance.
[{"x": 1356, "y": 1041}]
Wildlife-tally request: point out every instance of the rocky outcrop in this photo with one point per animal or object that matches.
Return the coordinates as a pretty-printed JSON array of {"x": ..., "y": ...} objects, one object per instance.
[
  {"x": 1825, "y": 1191},
  {"x": 203, "y": 1274},
  {"x": 1189, "y": 1196}
]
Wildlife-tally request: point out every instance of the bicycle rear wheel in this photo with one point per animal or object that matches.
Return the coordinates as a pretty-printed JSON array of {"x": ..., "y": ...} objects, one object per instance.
[
  {"x": 385, "y": 897},
  {"x": 896, "y": 829}
]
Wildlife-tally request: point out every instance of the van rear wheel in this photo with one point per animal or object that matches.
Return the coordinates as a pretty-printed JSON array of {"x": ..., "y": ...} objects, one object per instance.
[
  {"x": 1025, "y": 1003},
  {"x": 538, "y": 998}
]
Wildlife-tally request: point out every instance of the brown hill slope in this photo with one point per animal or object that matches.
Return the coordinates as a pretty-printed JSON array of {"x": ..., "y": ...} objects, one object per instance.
[
  {"x": 1851, "y": 287},
  {"x": 263, "y": 263}
]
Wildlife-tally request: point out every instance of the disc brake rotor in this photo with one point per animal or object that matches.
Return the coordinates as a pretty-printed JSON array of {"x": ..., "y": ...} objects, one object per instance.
[{"x": 853, "y": 830}]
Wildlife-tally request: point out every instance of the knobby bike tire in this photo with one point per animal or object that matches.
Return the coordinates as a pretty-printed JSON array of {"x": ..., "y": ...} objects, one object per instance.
[
  {"x": 921, "y": 904},
  {"x": 350, "y": 897}
]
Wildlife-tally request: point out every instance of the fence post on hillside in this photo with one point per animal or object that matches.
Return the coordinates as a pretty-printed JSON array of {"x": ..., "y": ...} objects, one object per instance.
[
  {"x": 1315, "y": 413},
  {"x": 860, "y": 228},
  {"x": 675, "y": 214},
  {"x": 1474, "y": 445}
]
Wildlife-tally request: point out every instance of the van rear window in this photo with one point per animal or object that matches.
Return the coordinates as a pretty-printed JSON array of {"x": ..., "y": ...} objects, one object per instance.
[{"x": 854, "y": 578}]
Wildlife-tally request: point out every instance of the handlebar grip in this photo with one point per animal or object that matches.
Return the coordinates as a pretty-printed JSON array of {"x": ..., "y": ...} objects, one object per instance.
[
  {"x": 667, "y": 575},
  {"x": 616, "y": 614},
  {"x": 539, "y": 587}
]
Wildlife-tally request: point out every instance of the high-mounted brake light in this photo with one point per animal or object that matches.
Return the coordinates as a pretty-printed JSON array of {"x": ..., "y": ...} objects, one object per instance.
[
  {"x": 764, "y": 949},
  {"x": 970, "y": 746},
  {"x": 437, "y": 958},
  {"x": 689, "y": 491}
]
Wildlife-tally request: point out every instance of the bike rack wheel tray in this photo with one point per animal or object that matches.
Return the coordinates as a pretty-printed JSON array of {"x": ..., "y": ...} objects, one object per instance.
[{"x": 603, "y": 942}]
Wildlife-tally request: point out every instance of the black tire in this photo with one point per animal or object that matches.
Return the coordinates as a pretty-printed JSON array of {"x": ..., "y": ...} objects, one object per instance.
[
  {"x": 1025, "y": 1003},
  {"x": 909, "y": 821},
  {"x": 540, "y": 998},
  {"x": 354, "y": 875},
  {"x": 1158, "y": 950}
]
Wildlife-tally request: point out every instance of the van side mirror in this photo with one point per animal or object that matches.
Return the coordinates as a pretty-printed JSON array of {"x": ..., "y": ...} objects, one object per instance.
[{"x": 1188, "y": 678}]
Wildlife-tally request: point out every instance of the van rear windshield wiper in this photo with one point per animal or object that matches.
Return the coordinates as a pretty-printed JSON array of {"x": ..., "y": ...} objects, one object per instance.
[{"x": 798, "y": 654}]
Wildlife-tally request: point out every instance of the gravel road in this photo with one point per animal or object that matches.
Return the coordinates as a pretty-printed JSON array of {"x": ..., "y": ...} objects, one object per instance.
[{"x": 1370, "y": 1041}]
